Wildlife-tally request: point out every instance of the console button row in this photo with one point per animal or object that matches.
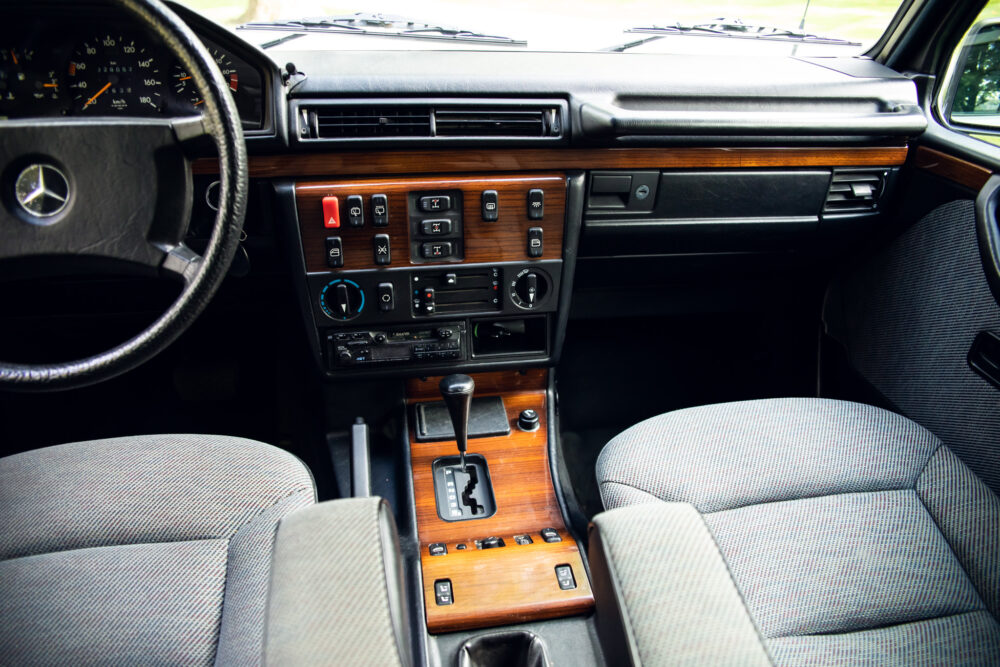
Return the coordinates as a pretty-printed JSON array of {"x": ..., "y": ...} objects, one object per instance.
[
  {"x": 492, "y": 542},
  {"x": 355, "y": 211}
]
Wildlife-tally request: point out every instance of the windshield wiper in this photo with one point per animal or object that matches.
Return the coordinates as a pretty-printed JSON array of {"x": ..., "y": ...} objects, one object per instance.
[
  {"x": 731, "y": 29},
  {"x": 381, "y": 25}
]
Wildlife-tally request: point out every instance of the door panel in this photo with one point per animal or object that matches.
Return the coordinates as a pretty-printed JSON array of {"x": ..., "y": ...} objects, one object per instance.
[{"x": 907, "y": 317}]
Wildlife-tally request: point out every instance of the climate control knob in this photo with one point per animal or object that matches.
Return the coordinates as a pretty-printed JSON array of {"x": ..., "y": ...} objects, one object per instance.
[
  {"x": 529, "y": 288},
  {"x": 342, "y": 299}
]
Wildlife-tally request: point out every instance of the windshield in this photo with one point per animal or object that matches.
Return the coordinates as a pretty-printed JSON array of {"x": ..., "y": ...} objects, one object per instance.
[{"x": 792, "y": 27}]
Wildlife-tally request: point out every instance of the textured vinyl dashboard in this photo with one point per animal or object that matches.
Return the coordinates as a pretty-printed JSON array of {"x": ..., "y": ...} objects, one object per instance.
[{"x": 758, "y": 97}]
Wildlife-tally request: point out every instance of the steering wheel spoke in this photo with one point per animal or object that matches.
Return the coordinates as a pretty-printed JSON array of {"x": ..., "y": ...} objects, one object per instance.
[{"x": 183, "y": 262}]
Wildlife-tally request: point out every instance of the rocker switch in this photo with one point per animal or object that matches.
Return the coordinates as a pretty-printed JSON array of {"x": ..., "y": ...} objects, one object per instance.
[
  {"x": 442, "y": 592},
  {"x": 564, "y": 575}
]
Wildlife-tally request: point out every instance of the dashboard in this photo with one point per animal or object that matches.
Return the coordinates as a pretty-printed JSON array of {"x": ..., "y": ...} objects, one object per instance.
[{"x": 88, "y": 64}]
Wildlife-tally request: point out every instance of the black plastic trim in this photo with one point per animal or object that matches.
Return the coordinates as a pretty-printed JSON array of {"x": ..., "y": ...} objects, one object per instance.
[{"x": 988, "y": 231}]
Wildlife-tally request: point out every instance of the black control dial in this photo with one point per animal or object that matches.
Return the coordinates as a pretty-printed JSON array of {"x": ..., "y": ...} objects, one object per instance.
[
  {"x": 529, "y": 288},
  {"x": 342, "y": 299}
]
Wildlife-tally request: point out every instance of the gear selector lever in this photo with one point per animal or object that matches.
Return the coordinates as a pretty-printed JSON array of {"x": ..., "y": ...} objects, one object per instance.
[{"x": 457, "y": 393}]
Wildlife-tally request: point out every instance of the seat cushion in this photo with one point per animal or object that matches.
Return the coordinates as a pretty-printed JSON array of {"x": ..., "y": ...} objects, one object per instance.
[
  {"x": 152, "y": 549},
  {"x": 851, "y": 533}
]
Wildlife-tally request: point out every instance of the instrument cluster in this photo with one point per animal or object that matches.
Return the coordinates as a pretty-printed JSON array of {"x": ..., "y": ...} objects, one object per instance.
[{"x": 112, "y": 72}]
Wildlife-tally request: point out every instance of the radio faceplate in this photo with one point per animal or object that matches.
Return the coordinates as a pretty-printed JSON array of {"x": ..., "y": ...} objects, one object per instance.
[{"x": 397, "y": 345}]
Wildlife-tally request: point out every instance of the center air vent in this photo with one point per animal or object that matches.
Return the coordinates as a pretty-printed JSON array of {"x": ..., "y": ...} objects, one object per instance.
[
  {"x": 351, "y": 122},
  {"x": 855, "y": 191},
  {"x": 416, "y": 120}
]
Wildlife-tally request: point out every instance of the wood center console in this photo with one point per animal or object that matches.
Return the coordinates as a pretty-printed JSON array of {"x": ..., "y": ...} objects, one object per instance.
[{"x": 517, "y": 582}]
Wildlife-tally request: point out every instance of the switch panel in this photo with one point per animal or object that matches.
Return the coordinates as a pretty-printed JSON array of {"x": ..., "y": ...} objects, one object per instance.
[{"x": 436, "y": 231}]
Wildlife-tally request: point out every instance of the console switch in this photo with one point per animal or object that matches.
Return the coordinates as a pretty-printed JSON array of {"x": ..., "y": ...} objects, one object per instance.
[
  {"x": 550, "y": 535},
  {"x": 435, "y": 227},
  {"x": 331, "y": 212},
  {"x": 535, "y": 242},
  {"x": 386, "y": 297},
  {"x": 491, "y": 206},
  {"x": 437, "y": 250},
  {"x": 355, "y": 211},
  {"x": 334, "y": 252},
  {"x": 435, "y": 203},
  {"x": 564, "y": 575},
  {"x": 438, "y": 549},
  {"x": 380, "y": 210},
  {"x": 382, "y": 255},
  {"x": 536, "y": 204},
  {"x": 442, "y": 592}
]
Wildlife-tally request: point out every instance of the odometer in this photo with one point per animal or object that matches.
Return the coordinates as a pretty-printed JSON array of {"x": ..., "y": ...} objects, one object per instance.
[{"x": 114, "y": 75}]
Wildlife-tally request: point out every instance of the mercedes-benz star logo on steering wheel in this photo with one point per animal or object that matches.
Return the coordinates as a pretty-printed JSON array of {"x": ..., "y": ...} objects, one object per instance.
[{"x": 42, "y": 190}]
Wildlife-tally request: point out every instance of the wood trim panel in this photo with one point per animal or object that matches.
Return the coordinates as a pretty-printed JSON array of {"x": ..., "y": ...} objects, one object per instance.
[
  {"x": 515, "y": 583},
  {"x": 957, "y": 170},
  {"x": 498, "y": 160},
  {"x": 501, "y": 241}
]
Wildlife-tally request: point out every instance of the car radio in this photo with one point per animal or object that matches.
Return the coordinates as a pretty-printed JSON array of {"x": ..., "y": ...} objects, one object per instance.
[{"x": 366, "y": 347}]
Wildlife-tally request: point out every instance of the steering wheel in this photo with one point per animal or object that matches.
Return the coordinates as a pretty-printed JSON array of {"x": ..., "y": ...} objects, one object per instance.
[{"x": 121, "y": 190}]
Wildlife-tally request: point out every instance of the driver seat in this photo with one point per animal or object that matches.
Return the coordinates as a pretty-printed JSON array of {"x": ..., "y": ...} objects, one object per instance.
[{"x": 161, "y": 550}]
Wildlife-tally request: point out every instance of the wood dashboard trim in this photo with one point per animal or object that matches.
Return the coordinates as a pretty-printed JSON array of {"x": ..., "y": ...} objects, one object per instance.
[
  {"x": 531, "y": 159},
  {"x": 515, "y": 583},
  {"x": 956, "y": 170}
]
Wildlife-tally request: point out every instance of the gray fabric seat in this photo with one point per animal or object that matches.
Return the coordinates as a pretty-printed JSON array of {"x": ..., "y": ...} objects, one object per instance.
[
  {"x": 144, "y": 550},
  {"x": 851, "y": 534}
]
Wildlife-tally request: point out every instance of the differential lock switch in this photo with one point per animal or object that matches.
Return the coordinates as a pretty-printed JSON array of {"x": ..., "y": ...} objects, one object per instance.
[{"x": 490, "y": 543}]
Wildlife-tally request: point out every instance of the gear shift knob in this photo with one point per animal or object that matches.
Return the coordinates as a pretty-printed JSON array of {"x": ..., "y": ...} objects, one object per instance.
[{"x": 457, "y": 393}]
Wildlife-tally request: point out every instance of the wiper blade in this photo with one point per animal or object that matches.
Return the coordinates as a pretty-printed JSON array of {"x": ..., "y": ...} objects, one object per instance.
[
  {"x": 381, "y": 25},
  {"x": 731, "y": 29}
]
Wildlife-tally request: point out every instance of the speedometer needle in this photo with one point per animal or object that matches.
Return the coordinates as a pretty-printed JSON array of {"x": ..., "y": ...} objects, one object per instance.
[{"x": 97, "y": 94}]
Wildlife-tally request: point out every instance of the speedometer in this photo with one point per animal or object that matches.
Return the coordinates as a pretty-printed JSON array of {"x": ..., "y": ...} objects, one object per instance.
[{"x": 113, "y": 74}]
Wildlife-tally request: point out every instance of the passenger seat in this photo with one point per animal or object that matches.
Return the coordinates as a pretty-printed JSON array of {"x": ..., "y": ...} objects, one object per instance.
[{"x": 793, "y": 531}]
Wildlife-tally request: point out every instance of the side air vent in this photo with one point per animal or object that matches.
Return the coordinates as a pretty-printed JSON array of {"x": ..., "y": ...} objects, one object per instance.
[
  {"x": 429, "y": 120},
  {"x": 855, "y": 191},
  {"x": 474, "y": 122}
]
